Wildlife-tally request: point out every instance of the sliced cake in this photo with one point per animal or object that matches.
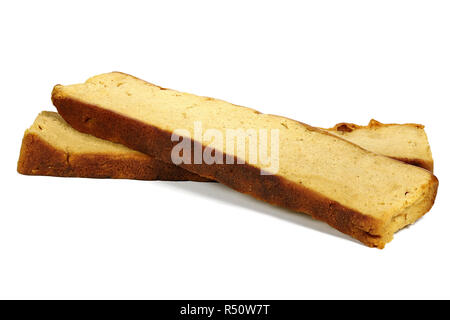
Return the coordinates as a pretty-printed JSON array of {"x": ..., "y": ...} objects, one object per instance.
[
  {"x": 360, "y": 193},
  {"x": 51, "y": 147}
]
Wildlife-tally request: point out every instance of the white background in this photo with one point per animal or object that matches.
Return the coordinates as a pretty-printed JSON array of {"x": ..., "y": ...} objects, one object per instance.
[{"x": 320, "y": 62}]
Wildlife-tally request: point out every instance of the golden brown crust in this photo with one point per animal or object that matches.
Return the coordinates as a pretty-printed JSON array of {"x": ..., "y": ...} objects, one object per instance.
[
  {"x": 37, "y": 157},
  {"x": 245, "y": 178},
  {"x": 349, "y": 127}
]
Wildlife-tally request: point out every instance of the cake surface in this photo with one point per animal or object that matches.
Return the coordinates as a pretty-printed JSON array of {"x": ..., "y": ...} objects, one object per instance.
[
  {"x": 363, "y": 194},
  {"x": 51, "y": 147},
  {"x": 404, "y": 142}
]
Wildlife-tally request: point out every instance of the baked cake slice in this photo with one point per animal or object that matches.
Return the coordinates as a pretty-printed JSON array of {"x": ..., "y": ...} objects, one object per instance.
[
  {"x": 358, "y": 192},
  {"x": 51, "y": 147}
]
